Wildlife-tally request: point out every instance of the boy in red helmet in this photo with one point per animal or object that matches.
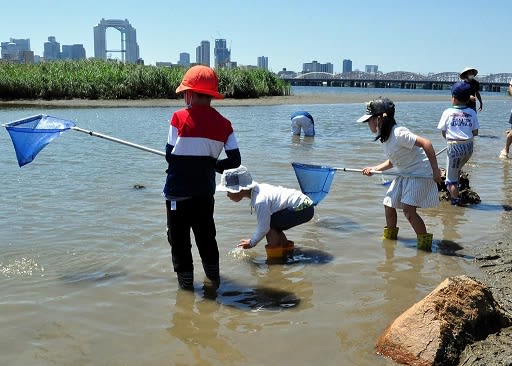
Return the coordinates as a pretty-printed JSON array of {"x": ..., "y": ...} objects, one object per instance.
[{"x": 197, "y": 136}]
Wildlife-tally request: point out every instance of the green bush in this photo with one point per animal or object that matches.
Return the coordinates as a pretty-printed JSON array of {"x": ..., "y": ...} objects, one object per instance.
[{"x": 98, "y": 79}]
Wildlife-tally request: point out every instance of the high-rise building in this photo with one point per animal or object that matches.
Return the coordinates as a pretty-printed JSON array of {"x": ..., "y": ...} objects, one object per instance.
[
  {"x": 315, "y": 66},
  {"x": 203, "y": 53},
  {"x": 263, "y": 62},
  {"x": 129, "y": 47},
  {"x": 17, "y": 50},
  {"x": 371, "y": 69},
  {"x": 27, "y": 57},
  {"x": 51, "y": 49},
  {"x": 221, "y": 53},
  {"x": 184, "y": 59},
  {"x": 347, "y": 65},
  {"x": 73, "y": 52}
]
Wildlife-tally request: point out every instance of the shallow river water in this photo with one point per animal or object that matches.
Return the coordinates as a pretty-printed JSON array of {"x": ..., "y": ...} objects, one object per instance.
[{"x": 85, "y": 268}]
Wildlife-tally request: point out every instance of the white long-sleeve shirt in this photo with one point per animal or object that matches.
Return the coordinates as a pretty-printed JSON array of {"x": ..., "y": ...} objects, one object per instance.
[{"x": 267, "y": 200}]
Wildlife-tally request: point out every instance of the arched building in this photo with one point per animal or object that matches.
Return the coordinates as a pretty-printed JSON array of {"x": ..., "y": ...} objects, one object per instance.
[{"x": 129, "y": 47}]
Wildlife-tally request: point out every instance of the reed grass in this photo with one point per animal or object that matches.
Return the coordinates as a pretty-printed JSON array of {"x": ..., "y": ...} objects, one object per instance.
[{"x": 98, "y": 79}]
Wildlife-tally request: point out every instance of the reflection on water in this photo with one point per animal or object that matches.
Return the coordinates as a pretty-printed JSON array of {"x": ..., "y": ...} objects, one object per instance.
[
  {"x": 85, "y": 267},
  {"x": 301, "y": 255},
  {"x": 91, "y": 276},
  {"x": 195, "y": 325},
  {"x": 254, "y": 298},
  {"x": 339, "y": 224},
  {"x": 399, "y": 272}
]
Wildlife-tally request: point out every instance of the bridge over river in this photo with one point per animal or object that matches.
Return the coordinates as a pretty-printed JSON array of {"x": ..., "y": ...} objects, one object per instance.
[{"x": 397, "y": 79}]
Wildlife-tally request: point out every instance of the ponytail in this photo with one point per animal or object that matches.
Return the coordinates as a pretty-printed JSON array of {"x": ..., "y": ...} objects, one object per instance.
[{"x": 388, "y": 121}]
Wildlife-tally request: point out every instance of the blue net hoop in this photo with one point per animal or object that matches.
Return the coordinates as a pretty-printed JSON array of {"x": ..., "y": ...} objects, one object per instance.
[
  {"x": 314, "y": 180},
  {"x": 30, "y": 135}
]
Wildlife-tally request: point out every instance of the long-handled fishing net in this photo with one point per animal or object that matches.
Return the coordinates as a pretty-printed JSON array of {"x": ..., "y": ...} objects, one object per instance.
[
  {"x": 30, "y": 135},
  {"x": 315, "y": 180}
]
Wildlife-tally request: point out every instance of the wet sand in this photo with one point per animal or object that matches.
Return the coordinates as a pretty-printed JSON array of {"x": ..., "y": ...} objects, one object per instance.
[
  {"x": 292, "y": 99},
  {"x": 495, "y": 261}
]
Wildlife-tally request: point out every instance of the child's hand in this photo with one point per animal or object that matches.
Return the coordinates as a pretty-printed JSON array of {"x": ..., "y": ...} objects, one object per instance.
[
  {"x": 244, "y": 244},
  {"x": 437, "y": 176},
  {"x": 368, "y": 171}
]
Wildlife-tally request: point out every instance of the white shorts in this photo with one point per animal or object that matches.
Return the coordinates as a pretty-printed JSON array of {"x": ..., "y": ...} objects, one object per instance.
[
  {"x": 417, "y": 192},
  {"x": 305, "y": 123}
]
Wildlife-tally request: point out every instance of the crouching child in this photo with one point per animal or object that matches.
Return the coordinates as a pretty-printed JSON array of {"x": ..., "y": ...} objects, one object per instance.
[{"x": 277, "y": 209}]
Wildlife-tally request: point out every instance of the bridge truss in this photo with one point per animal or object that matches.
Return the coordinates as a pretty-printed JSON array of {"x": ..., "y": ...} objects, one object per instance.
[{"x": 403, "y": 76}]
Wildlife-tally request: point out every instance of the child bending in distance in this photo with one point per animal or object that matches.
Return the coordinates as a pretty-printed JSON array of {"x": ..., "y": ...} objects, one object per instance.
[
  {"x": 277, "y": 209},
  {"x": 411, "y": 155}
]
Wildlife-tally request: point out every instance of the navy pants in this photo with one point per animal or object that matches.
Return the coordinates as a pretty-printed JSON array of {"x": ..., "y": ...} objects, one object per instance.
[{"x": 194, "y": 214}]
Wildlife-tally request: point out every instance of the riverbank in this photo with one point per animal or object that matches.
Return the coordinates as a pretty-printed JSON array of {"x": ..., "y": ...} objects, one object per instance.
[
  {"x": 301, "y": 99},
  {"x": 495, "y": 261}
]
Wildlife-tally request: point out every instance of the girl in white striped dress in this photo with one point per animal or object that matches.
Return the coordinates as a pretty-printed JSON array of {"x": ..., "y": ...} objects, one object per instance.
[{"x": 411, "y": 155}]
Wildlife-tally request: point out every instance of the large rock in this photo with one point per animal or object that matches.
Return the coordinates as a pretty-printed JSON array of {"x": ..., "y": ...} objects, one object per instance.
[
  {"x": 466, "y": 194},
  {"x": 436, "y": 329}
]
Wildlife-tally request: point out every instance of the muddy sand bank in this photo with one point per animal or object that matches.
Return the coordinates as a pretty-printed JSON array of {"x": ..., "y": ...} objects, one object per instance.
[
  {"x": 292, "y": 99},
  {"x": 495, "y": 261}
]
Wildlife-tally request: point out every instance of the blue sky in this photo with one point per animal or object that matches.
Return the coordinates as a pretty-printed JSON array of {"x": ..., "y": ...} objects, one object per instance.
[{"x": 415, "y": 35}]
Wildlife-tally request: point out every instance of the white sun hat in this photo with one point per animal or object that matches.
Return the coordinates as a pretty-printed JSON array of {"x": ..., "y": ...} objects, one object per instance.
[
  {"x": 236, "y": 180},
  {"x": 466, "y": 69}
]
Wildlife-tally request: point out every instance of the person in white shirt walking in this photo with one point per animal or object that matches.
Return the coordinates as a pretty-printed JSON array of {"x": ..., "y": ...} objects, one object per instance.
[
  {"x": 458, "y": 124},
  {"x": 277, "y": 209}
]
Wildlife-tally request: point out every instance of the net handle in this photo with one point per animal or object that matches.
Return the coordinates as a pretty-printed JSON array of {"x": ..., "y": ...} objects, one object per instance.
[
  {"x": 119, "y": 141},
  {"x": 384, "y": 173},
  {"x": 391, "y": 173}
]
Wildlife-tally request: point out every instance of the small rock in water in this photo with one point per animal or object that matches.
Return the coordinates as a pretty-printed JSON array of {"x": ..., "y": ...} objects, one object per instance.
[{"x": 139, "y": 186}]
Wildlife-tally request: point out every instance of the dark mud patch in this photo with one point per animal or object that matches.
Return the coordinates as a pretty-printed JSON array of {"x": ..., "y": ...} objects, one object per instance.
[{"x": 495, "y": 261}]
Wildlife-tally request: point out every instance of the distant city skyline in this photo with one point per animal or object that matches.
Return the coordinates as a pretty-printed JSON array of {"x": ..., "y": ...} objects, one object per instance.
[{"x": 430, "y": 37}]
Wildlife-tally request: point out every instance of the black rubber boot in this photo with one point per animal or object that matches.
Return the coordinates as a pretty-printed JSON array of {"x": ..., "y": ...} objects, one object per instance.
[
  {"x": 186, "y": 280},
  {"x": 212, "y": 272}
]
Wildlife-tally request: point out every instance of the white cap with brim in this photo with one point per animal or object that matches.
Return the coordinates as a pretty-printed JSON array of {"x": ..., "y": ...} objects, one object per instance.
[
  {"x": 364, "y": 118},
  {"x": 236, "y": 180}
]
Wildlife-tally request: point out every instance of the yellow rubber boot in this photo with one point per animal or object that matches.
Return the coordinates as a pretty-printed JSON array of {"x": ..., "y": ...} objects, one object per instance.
[
  {"x": 425, "y": 242},
  {"x": 280, "y": 251},
  {"x": 390, "y": 233}
]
